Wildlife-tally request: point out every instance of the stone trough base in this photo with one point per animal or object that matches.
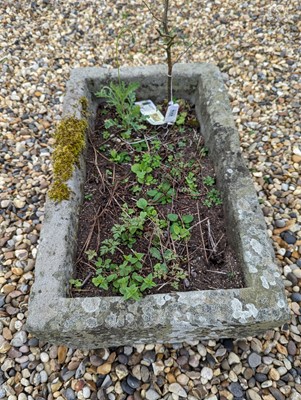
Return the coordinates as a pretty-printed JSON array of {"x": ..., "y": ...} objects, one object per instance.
[{"x": 175, "y": 317}]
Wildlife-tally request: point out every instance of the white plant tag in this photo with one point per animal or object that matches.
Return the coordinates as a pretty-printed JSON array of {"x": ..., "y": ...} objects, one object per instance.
[
  {"x": 148, "y": 108},
  {"x": 171, "y": 113}
]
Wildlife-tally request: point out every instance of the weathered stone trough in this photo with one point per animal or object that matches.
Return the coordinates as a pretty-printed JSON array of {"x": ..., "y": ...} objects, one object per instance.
[{"x": 109, "y": 321}]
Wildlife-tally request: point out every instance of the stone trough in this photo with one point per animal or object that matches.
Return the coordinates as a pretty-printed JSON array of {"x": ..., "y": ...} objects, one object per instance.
[{"x": 175, "y": 317}]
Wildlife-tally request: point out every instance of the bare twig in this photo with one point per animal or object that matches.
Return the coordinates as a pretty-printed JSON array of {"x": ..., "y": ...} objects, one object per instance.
[
  {"x": 88, "y": 265},
  {"x": 151, "y": 11},
  {"x": 186, "y": 50},
  {"x": 211, "y": 239},
  {"x": 215, "y": 246},
  {"x": 188, "y": 260},
  {"x": 87, "y": 279},
  {"x": 216, "y": 272},
  {"x": 197, "y": 224},
  {"x": 96, "y": 162},
  {"x": 201, "y": 232}
]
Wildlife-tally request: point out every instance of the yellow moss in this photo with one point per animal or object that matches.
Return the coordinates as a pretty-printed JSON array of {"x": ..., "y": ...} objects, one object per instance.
[
  {"x": 70, "y": 141},
  {"x": 63, "y": 162},
  {"x": 59, "y": 191},
  {"x": 83, "y": 101}
]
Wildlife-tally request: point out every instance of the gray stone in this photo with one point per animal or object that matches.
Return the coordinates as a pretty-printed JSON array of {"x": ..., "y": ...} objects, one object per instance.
[
  {"x": 126, "y": 388},
  {"x": 292, "y": 348},
  {"x": 2, "y": 393},
  {"x": 133, "y": 382},
  {"x": 151, "y": 394},
  {"x": 254, "y": 360},
  {"x": 19, "y": 339},
  {"x": 172, "y": 317},
  {"x": 276, "y": 393},
  {"x": 177, "y": 389},
  {"x": 207, "y": 373},
  {"x": 296, "y": 297},
  {"x": 280, "y": 223},
  {"x": 150, "y": 356},
  {"x": 236, "y": 389},
  {"x": 261, "y": 377},
  {"x": 295, "y": 396},
  {"x": 292, "y": 277},
  {"x": 288, "y": 237},
  {"x": 253, "y": 395},
  {"x": 101, "y": 395},
  {"x": 2, "y": 300},
  {"x": 70, "y": 394}
]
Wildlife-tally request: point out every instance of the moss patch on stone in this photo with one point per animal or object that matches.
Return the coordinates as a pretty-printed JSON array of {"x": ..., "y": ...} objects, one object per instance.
[
  {"x": 84, "y": 104},
  {"x": 70, "y": 142}
]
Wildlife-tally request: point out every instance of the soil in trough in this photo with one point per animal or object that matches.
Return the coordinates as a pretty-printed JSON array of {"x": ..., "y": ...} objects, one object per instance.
[{"x": 205, "y": 260}]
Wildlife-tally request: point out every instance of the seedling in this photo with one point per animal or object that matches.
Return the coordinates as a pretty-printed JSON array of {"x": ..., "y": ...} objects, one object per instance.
[
  {"x": 204, "y": 152},
  {"x": 163, "y": 194},
  {"x": 208, "y": 181},
  {"x": 88, "y": 196},
  {"x": 179, "y": 227},
  {"x": 212, "y": 198},
  {"x": 144, "y": 166},
  {"x": 119, "y": 157},
  {"x": 191, "y": 183},
  {"x": 77, "y": 283},
  {"x": 91, "y": 254},
  {"x": 181, "y": 118}
]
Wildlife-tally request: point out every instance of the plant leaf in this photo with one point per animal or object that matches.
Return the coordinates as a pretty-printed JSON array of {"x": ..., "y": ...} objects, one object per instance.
[
  {"x": 155, "y": 253},
  {"x": 172, "y": 217},
  {"x": 152, "y": 192},
  {"x": 142, "y": 203},
  {"x": 187, "y": 219}
]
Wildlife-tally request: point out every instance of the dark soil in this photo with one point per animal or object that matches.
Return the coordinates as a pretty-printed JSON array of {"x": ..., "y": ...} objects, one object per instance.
[{"x": 207, "y": 258}]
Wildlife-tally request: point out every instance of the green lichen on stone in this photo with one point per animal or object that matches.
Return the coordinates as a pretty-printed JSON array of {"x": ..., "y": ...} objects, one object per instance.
[
  {"x": 70, "y": 142},
  {"x": 83, "y": 101}
]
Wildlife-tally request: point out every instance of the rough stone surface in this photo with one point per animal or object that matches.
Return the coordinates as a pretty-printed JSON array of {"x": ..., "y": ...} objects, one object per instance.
[{"x": 110, "y": 321}]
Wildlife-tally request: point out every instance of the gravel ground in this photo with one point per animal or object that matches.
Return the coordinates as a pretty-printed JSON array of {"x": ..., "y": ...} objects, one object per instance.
[{"x": 256, "y": 44}]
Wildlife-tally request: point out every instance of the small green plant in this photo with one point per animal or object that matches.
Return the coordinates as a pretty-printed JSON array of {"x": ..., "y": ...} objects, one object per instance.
[
  {"x": 144, "y": 166},
  {"x": 91, "y": 254},
  {"x": 109, "y": 246},
  {"x": 181, "y": 118},
  {"x": 122, "y": 97},
  {"x": 179, "y": 227},
  {"x": 212, "y": 198},
  {"x": 124, "y": 277},
  {"x": 231, "y": 275},
  {"x": 191, "y": 183},
  {"x": 119, "y": 158},
  {"x": 182, "y": 144},
  {"x": 77, "y": 283},
  {"x": 204, "y": 152},
  {"x": 88, "y": 196},
  {"x": 163, "y": 194},
  {"x": 208, "y": 181}
]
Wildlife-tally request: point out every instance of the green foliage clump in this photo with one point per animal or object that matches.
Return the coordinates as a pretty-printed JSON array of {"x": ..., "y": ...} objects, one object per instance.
[
  {"x": 122, "y": 97},
  {"x": 70, "y": 141}
]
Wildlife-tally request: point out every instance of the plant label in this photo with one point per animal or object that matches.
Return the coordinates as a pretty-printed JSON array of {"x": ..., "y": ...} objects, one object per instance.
[
  {"x": 148, "y": 108},
  {"x": 171, "y": 113}
]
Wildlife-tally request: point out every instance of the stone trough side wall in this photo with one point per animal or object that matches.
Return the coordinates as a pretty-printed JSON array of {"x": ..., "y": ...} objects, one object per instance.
[{"x": 111, "y": 321}]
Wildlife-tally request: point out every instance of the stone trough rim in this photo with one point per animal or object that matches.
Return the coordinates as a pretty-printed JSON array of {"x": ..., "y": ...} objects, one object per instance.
[{"x": 59, "y": 319}]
